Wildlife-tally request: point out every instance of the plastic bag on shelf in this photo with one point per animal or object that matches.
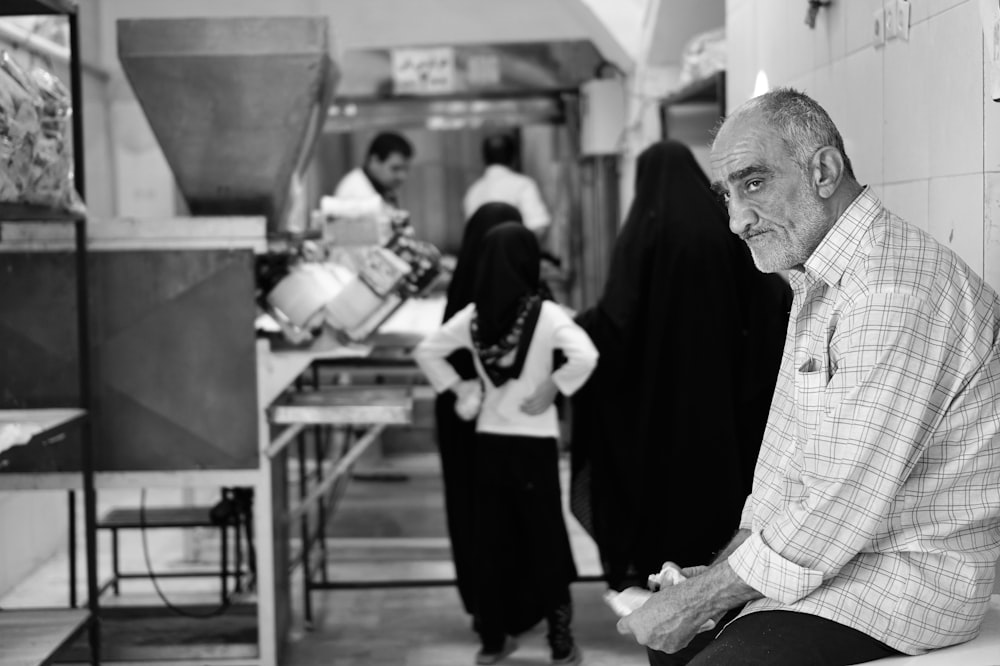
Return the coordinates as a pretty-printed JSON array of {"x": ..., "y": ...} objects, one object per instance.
[
  {"x": 36, "y": 158},
  {"x": 703, "y": 55}
]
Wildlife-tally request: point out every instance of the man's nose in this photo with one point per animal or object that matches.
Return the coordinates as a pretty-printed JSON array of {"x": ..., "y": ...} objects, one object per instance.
[{"x": 741, "y": 218}]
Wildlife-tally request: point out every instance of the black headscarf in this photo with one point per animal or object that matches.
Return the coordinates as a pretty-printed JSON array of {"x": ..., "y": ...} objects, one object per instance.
[
  {"x": 667, "y": 429},
  {"x": 508, "y": 298},
  {"x": 463, "y": 279}
]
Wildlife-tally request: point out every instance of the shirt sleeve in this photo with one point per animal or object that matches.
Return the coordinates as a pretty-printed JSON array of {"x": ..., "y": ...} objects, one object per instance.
[
  {"x": 746, "y": 518},
  {"x": 433, "y": 350},
  {"x": 469, "y": 202},
  {"x": 893, "y": 378},
  {"x": 532, "y": 208},
  {"x": 581, "y": 355}
]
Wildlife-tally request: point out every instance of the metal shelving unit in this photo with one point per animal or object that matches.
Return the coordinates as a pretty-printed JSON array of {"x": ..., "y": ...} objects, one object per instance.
[{"x": 34, "y": 636}]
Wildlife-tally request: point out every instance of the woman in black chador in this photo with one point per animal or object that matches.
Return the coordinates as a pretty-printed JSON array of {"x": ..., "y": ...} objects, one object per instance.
[
  {"x": 456, "y": 438},
  {"x": 524, "y": 562},
  {"x": 666, "y": 432}
]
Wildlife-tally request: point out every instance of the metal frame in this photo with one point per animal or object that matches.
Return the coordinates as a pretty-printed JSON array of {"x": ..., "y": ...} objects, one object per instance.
[
  {"x": 338, "y": 433},
  {"x": 336, "y": 442},
  {"x": 79, "y": 221},
  {"x": 198, "y": 517}
]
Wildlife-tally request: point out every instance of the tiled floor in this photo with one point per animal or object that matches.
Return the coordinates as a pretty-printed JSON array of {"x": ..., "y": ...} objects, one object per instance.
[
  {"x": 383, "y": 530},
  {"x": 426, "y": 627}
]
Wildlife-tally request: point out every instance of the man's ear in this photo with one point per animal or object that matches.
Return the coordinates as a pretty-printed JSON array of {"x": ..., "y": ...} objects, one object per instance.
[{"x": 827, "y": 170}]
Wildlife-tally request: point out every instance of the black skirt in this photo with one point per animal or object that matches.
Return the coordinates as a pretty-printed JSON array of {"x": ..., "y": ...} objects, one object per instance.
[
  {"x": 524, "y": 560},
  {"x": 457, "y": 445}
]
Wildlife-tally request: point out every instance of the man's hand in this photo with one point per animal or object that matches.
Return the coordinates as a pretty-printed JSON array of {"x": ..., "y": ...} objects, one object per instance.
[
  {"x": 671, "y": 617},
  {"x": 666, "y": 622},
  {"x": 541, "y": 399}
]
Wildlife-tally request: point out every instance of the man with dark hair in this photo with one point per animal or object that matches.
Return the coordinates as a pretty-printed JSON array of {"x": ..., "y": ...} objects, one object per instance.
[
  {"x": 372, "y": 189},
  {"x": 873, "y": 524},
  {"x": 500, "y": 183}
]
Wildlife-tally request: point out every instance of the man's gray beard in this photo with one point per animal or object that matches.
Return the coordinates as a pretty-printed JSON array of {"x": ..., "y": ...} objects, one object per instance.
[{"x": 762, "y": 265}]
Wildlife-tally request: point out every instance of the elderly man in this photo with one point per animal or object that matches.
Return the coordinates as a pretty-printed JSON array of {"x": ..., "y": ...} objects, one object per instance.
[{"x": 874, "y": 521}]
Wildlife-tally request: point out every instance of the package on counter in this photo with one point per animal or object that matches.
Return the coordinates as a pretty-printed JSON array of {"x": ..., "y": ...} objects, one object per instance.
[
  {"x": 383, "y": 270},
  {"x": 35, "y": 149},
  {"x": 424, "y": 260}
]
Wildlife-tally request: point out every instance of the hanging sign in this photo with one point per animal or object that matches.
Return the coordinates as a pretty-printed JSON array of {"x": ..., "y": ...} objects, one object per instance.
[{"x": 423, "y": 71}]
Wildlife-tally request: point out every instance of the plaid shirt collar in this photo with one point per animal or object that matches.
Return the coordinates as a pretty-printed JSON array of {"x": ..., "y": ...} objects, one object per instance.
[{"x": 831, "y": 258}]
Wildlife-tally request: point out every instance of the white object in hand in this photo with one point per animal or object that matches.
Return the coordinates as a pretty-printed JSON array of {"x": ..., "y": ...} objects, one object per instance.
[
  {"x": 626, "y": 601},
  {"x": 469, "y": 401},
  {"x": 670, "y": 574}
]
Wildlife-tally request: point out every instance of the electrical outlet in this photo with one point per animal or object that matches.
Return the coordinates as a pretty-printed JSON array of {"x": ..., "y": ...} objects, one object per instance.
[
  {"x": 878, "y": 28},
  {"x": 903, "y": 19},
  {"x": 890, "y": 19}
]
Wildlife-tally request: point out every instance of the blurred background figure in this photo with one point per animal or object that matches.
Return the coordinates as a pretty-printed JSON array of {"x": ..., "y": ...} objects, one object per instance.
[
  {"x": 372, "y": 189},
  {"x": 457, "y": 437},
  {"x": 500, "y": 182},
  {"x": 665, "y": 434}
]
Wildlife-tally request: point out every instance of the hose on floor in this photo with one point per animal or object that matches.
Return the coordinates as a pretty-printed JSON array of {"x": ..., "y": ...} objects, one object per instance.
[{"x": 214, "y": 612}]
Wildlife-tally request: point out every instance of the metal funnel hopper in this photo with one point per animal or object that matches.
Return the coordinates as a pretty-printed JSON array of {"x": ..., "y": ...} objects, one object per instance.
[{"x": 236, "y": 104}]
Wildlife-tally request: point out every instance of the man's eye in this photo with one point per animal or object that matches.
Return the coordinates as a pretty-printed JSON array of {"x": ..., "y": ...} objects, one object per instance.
[
  {"x": 724, "y": 196},
  {"x": 753, "y": 185}
]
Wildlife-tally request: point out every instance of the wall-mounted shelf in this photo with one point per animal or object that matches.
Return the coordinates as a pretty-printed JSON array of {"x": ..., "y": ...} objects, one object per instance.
[
  {"x": 21, "y": 213},
  {"x": 33, "y": 636},
  {"x": 692, "y": 113},
  {"x": 37, "y": 7},
  {"x": 711, "y": 89},
  {"x": 37, "y": 425}
]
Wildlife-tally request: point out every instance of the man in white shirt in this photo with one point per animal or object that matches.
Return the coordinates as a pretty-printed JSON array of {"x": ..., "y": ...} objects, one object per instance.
[
  {"x": 371, "y": 190},
  {"x": 501, "y": 183}
]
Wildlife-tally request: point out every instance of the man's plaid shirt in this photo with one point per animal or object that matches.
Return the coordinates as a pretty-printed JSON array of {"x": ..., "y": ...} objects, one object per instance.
[{"x": 876, "y": 497}]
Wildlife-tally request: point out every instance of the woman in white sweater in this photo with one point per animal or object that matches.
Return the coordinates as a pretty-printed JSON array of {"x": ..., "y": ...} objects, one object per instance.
[{"x": 524, "y": 561}]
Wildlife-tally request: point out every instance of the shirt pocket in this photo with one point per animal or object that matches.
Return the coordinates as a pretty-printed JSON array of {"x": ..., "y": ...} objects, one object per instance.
[{"x": 811, "y": 380}]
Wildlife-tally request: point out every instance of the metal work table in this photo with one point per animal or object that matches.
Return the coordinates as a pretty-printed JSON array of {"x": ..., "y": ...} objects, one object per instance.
[
  {"x": 293, "y": 418},
  {"x": 326, "y": 429}
]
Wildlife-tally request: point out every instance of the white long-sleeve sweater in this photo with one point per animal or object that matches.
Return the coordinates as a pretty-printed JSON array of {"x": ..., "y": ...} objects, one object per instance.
[{"x": 500, "y": 413}]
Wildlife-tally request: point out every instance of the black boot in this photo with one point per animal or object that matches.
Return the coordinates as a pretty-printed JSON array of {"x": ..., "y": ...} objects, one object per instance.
[{"x": 560, "y": 636}]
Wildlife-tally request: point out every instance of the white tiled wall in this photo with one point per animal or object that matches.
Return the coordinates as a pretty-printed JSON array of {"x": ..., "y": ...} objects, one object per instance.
[
  {"x": 955, "y": 215},
  {"x": 955, "y": 81},
  {"x": 860, "y": 94},
  {"x": 909, "y": 200},
  {"x": 916, "y": 121},
  {"x": 991, "y": 256},
  {"x": 907, "y": 107}
]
